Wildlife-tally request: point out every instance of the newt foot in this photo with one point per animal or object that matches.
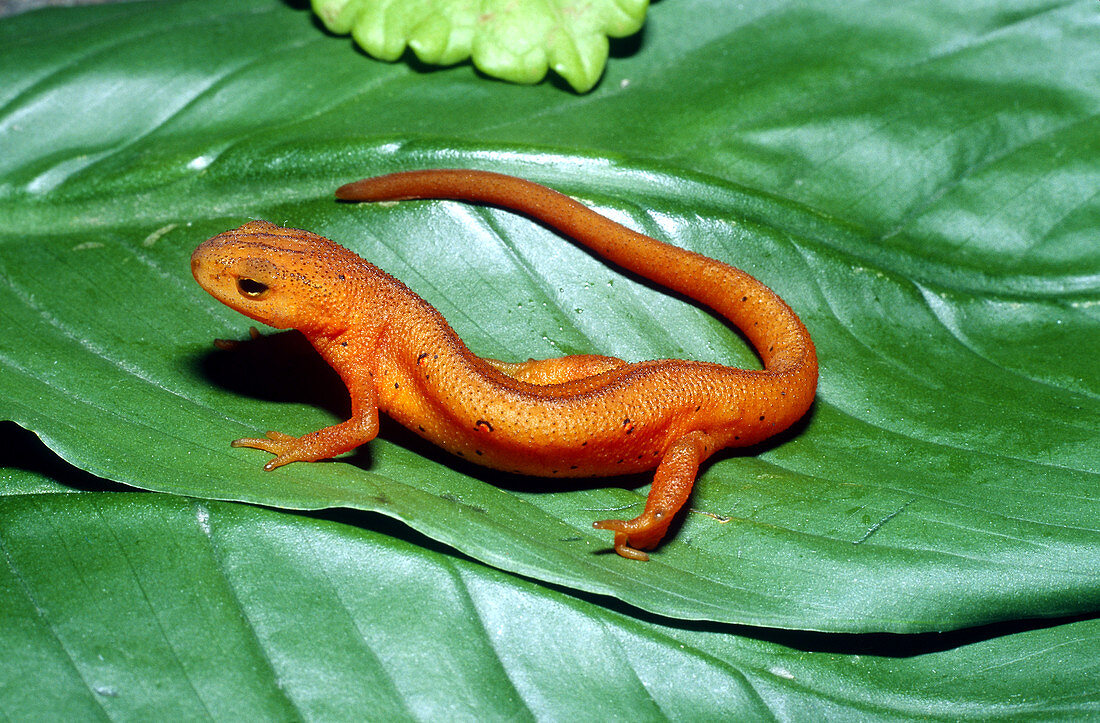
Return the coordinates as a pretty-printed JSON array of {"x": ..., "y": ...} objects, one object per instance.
[
  {"x": 285, "y": 447},
  {"x": 644, "y": 532}
]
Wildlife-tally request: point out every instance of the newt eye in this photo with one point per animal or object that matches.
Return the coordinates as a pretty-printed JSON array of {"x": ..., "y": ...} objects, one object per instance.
[{"x": 251, "y": 288}]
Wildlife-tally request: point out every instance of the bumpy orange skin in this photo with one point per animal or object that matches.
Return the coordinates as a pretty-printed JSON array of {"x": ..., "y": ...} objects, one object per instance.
[{"x": 578, "y": 416}]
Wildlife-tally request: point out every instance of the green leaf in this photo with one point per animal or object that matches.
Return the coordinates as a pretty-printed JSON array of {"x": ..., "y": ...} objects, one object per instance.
[
  {"x": 925, "y": 205},
  {"x": 516, "y": 41},
  {"x": 127, "y": 606}
]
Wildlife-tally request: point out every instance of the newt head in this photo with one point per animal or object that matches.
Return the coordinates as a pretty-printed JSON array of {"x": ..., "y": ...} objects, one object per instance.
[{"x": 282, "y": 277}]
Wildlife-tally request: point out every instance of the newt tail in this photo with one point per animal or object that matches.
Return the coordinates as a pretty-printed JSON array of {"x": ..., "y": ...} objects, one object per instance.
[{"x": 775, "y": 331}]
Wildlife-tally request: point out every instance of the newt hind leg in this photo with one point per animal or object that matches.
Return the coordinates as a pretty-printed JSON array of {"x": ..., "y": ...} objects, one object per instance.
[
  {"x": 557, "y": 371},
  {"x": 672, "y": 484}
]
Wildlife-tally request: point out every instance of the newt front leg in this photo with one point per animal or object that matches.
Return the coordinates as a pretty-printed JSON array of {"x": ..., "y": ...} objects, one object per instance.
[{"x": 324, "y": 443}]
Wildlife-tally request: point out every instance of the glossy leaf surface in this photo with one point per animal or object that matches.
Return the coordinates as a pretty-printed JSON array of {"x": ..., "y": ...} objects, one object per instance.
[
  {"x": 927, "y": 206},
  {"x": 126, "y": 605}
]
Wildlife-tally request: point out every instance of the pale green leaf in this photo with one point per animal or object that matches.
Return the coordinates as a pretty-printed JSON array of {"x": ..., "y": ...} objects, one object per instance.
[{"x": 516, "y": 41}]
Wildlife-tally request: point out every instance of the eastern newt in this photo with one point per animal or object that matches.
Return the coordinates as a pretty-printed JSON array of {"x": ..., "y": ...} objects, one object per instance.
[{"x": 577, "y": 416}]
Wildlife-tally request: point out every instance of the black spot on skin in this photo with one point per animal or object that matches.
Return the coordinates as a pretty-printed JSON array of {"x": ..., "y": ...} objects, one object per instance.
[
  {"x": 479, "y": 452},
  {"x": 423, "y": 355},
  {"x": 761, "y": 417},
  {"x": 420, "y": 428},
  {"x": 483, "y": 426}
]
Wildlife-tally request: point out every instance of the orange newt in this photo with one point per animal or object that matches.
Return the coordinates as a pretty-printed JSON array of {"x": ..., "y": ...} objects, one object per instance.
[{"x": 577, "y": 416}]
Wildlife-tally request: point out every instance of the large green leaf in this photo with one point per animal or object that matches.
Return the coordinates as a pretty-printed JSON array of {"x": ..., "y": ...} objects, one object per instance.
[
  {"x": 128, "y": 606},
  {"x": 918, "y": 182}
]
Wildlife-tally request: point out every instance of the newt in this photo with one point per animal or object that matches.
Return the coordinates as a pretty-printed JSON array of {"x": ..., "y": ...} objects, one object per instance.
[{"x": 575, "y": 416}]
